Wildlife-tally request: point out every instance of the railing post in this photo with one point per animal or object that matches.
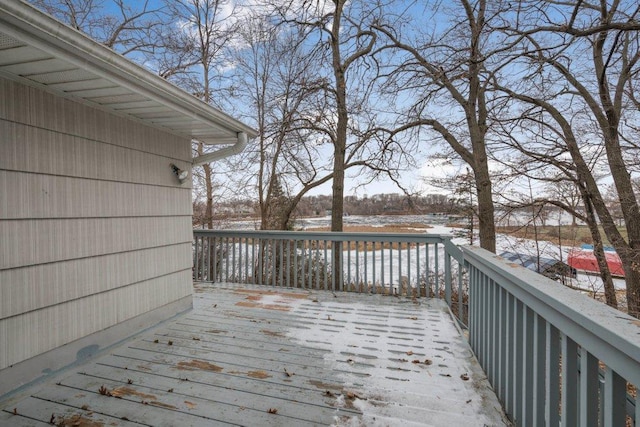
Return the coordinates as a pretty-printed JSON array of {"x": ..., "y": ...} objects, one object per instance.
[
  {"x": 614, "y": 398},
  {"x": 447, "y": 277}
]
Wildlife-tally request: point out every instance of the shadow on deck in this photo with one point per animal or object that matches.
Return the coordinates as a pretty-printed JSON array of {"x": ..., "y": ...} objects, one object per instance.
[{"x": 253, "y": 356}]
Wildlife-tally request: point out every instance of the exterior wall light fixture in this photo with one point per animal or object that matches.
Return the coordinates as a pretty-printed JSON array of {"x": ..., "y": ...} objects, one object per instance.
[{"x": 181, "y": 174}]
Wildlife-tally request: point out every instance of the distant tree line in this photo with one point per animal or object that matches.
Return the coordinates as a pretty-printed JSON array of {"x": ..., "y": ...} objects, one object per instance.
[{"x": 320, "y": 205}]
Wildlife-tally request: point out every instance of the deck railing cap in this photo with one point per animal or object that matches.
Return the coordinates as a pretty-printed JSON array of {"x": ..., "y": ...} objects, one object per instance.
[{"x": 607, "y": 333}]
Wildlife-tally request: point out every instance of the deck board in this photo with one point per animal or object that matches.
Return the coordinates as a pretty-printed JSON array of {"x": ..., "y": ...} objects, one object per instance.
[{"x": 252, "y": 356}]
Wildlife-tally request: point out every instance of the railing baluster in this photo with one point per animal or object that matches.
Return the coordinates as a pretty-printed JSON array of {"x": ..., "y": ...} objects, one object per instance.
[
  {"x": 503, "y": 343},
  {"x": 365, "y": 260},
  {"x": 400, "y": 283},
  {"x": 246, "y": 260},
  {"x": 447, "y": 278},
  {"x": 614, "y": 398},
  {"x": 509, "y": 364},
  {"x": 326, "y": 263},
  {"x": 391, "y": 266},
  {"x": 226, "y": 259},
  {"x": 427, "y": 271},
  {"x": 382, "y": 278},
  {"x": 528, "y": 371},
  {"x": 437, "y": 270},
  {"x": 274, "y": 263},
  {"x": 552, "y": 380},
  {"x": 233, "y": 260},
  {"x": 287, "y": 244},
  {"x": 310, "y": 266},
  {"x": 409, "y": 287},
  {"x": 588, "y": 387},
  {"x": 212, "y": 270},
  {"x": 349, "y": 277},
  {"x": 253, "y": 261},
  {"x": 357, "y": 281},
  {"x": 518, "y": 359},
  {"x": 279, "y": 261},
  {"x": 460, "y": 292},
  {"x": 492, "y": 331},
  {"x": 295, "y": 264},
  {"x": 373, "y": 268},
  {"x": 637, "y": 414},
  {"x": 539, "y": 361},
  {"x": 418, "y": 283},
  {"x": 569, "y": 382}
]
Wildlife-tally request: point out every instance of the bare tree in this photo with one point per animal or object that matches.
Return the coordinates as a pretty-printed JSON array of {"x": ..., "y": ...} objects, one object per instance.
[
  {"x": 129, "y": 28},
  {"x": 340, "y": 31},
  {"x": 278, "y": 76},
  {"x": 448, "y": 65},
  {"x": 580, "y": 60},
  {"x": 205, "y": 28}
]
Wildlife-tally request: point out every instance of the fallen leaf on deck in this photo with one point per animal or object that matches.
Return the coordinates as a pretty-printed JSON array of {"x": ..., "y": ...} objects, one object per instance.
[
  {"x": 351, "y": 395},
  {"x": 272, "y": 411}
]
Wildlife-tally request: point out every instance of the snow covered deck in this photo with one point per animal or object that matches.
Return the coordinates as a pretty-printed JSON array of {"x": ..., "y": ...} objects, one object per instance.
[{"x": 248, "y": 355}]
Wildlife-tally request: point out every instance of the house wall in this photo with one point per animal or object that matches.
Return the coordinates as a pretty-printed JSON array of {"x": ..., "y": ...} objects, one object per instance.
[{"x": 95, "y": 229}]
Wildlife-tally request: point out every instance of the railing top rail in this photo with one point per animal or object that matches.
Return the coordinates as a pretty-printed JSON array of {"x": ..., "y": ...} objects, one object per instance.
[
  {"x": 610, "y": 335},
  {"x": 327, "y": 235}
]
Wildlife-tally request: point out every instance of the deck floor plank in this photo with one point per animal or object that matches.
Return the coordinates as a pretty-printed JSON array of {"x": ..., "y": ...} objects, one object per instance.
[{"x": 256, "y": 356}]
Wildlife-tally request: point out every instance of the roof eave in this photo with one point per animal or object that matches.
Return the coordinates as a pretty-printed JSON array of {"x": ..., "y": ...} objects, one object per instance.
[{"x": 23, "y": 21}]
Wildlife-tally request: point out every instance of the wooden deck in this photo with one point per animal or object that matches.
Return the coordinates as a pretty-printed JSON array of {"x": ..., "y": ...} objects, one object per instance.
[{"x": 252, "y": 356}]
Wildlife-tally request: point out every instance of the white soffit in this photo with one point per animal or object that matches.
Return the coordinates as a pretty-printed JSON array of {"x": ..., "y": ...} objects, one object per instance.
[{"x": 37, "y": 50}]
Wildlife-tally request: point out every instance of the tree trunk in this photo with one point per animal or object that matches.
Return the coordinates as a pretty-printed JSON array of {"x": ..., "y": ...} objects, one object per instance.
[
  {"x": 598, "y": 251},
  {"x": 486, "y": 222}
]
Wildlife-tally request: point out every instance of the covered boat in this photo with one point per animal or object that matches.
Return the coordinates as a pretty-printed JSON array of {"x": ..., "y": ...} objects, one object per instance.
[{"x": 585, "y": 260}]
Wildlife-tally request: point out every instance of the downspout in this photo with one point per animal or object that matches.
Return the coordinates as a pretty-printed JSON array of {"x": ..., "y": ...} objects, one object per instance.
[{"x": 236, "y": 148}]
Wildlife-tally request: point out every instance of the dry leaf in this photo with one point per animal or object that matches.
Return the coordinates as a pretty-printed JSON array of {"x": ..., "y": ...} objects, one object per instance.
[{"x": 272, "y": 411}]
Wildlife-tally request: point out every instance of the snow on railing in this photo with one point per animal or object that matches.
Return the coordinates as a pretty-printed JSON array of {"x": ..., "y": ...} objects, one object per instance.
[{"x": 554, "y": 356}]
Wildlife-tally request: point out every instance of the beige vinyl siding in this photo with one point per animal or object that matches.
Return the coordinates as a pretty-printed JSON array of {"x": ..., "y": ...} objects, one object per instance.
[
  {"x": 65, "y": 197},
  {"x": 38, "y": 331},
  {"x": 39, "y": 109},
  {"x": 94, "y": 227}
]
